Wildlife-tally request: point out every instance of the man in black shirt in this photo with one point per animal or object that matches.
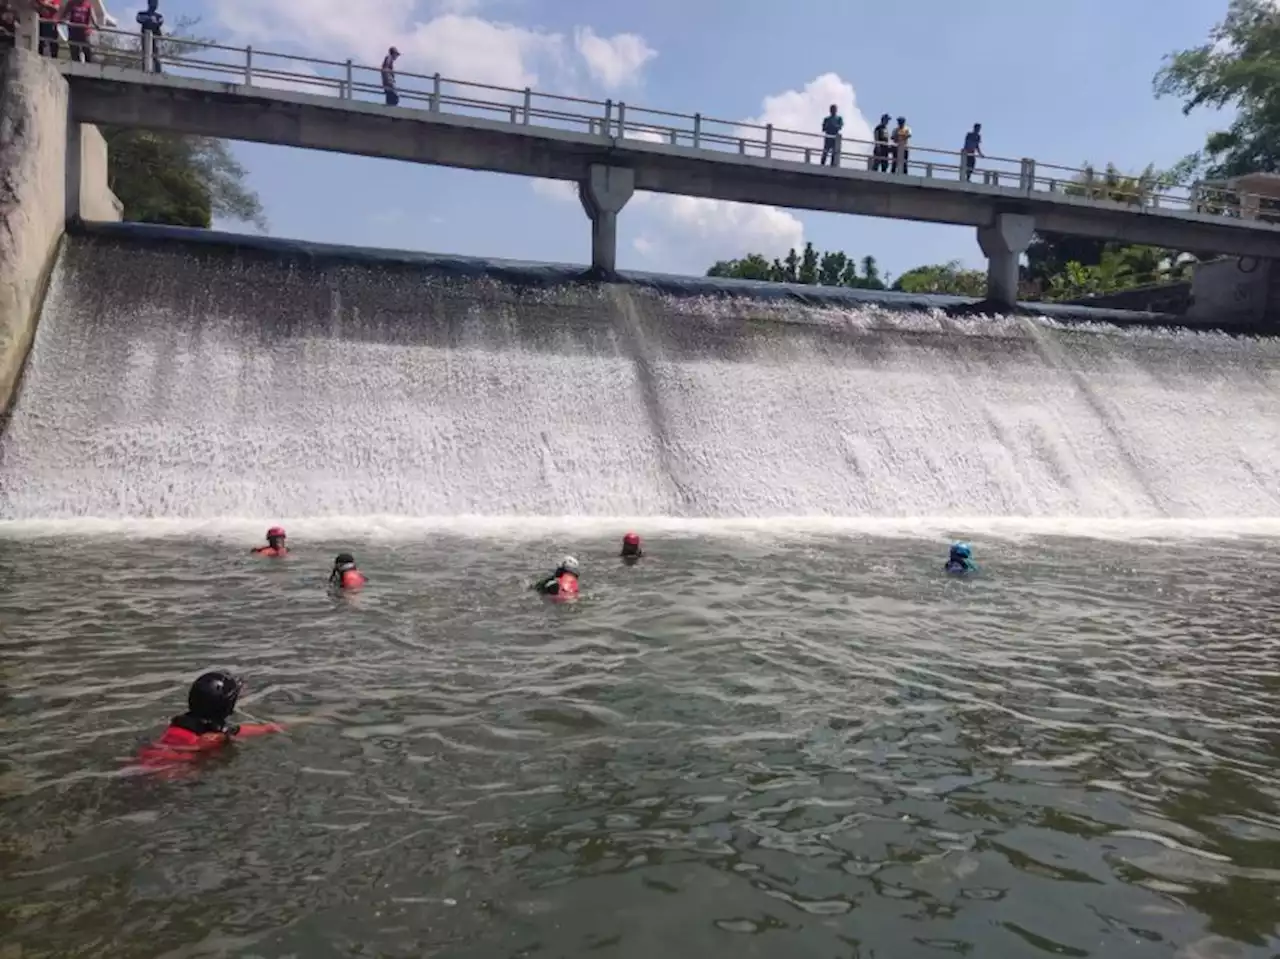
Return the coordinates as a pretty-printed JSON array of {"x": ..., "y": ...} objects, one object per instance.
[
  {"x": 152, "y": 20},
  {"x": 880, "y": 155}
]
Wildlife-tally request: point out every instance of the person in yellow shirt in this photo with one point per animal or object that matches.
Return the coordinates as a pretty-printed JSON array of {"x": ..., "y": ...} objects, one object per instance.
[{"x": 901, "y": 145}]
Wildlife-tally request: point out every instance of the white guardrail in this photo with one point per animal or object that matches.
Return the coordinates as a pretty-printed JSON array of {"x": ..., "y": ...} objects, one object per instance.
[{"x": 348, "y": 80}]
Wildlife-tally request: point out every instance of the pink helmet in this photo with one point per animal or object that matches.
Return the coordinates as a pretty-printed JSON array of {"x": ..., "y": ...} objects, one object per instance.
[{"x": 276, "y": 532}]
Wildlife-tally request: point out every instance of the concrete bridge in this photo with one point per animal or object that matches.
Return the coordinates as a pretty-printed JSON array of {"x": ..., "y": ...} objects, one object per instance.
[{"x": 611, "y": 149}]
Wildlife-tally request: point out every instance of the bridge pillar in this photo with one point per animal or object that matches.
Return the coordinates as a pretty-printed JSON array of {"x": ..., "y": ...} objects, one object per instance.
[
  {"x": 604, "y": 193},
  {"x": 1004, "y": 242}
]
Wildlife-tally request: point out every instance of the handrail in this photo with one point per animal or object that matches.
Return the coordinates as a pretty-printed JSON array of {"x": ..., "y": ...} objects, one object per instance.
[{"x": 697, "y": 131}]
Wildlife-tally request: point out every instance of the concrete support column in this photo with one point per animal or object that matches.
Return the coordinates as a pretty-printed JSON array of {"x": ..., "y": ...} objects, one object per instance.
[
  {"x": 75, "y": 172},
  {"x": 1004, "y": 242},
  {"x": 28, "y": 26},
  {"x": 604, "y": 193}
]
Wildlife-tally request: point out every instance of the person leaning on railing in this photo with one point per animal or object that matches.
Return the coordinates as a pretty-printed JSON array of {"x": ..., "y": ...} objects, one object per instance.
[
  {"x": 151, "y": 20},
  {"x": 50, "y": 14},
  {"x": 81, "y": 21}
]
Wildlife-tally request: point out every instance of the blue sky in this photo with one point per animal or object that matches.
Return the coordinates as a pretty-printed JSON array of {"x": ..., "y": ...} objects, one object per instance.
[{"x": 1059, "y": 82}]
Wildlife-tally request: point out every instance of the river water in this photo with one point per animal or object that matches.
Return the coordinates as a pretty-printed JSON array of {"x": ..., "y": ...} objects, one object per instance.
[{"x": 781, "y": 743}]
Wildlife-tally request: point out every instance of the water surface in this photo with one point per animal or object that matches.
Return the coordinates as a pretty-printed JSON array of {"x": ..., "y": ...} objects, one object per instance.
[{"x": 788, "y": 745}]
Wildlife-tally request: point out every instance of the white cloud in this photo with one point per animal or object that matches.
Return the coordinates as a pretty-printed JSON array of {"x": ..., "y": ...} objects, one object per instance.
[
  {"x": 797, "y": 115},
  {"x": 615, "y": 61},
  {"x": 453, "y": 41}
]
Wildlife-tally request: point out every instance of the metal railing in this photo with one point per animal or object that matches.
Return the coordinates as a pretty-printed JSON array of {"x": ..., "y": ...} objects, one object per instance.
[{"x": 348, "y": 80}]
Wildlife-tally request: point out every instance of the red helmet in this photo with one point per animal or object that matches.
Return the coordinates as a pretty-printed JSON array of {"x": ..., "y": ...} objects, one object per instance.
[
  {"x": 276, "y": 532},
  {"x": 631, "y": 539}
]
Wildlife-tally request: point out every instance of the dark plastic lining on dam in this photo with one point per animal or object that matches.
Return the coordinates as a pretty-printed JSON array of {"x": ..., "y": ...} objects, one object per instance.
[{"x": 524, "y": 273}]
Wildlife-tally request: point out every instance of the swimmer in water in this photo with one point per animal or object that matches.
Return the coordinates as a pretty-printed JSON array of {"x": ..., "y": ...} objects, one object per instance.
[
  {"x": 205, "y": 727},
  {"x": 563, "y": 583},
  {"x": 345, "y": 575},
  {"x": 275, "y": 544},
  {"x": 631, "y": 549},
  {"x": 960, "y": 561}
]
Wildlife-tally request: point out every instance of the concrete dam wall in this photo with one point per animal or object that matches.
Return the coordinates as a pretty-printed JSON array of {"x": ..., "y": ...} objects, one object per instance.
[
  {"x": 200, "y": 380},
  {"x": 50, "y": 170}
]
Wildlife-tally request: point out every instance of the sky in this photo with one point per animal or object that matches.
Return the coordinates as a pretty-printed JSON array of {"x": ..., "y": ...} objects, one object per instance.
[{"x": 1065, "y": 83}]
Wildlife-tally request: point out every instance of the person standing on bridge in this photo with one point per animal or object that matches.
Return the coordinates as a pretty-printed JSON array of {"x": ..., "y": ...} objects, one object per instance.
[
  {"x": 832, "y": 124},
  {"x": 880, "y": 154},
  {"x": 389, "y": 77},
  {"x": 901, "y": 145},
  {"x": 972, "y": 150},
  {"x": 152, "y": 20},
  {"x": 80, "y": 20},
  {"x": 49, "y": 12}
]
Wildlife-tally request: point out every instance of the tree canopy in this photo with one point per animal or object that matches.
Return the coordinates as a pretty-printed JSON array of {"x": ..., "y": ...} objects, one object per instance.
[
  {"x": 1238, "y": 66},
  {"x": 804, "y": 266},
  {"x": 174, "y": 178}
]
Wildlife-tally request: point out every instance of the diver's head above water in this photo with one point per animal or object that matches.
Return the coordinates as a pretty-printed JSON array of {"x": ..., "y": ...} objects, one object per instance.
[
  {"x": 213, "y": 697},
  {"x": 567, "y": 565},
  {"x": 343, "y": 562},
  {"x": 631, "y": 545},
  {"x": 276, "y": 537},
  {"x": 961, "y": 552}
]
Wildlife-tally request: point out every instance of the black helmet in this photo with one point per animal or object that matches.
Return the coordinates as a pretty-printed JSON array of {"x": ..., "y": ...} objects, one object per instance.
[
  {"x": 213, "y": 696},
  {"x": 344, "y": 559}
]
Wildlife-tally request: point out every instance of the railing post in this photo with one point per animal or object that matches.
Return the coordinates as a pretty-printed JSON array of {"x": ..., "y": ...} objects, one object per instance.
[
  {"x": 675, "y": 137},
  {"x": 928, "y": 169},
  {"x": 622, "y": 119},
  {"x": 435, "y": 93},
  {"x": 835, "y": 153},
  {"x": 515, "y": 114},
  {"x": 808, "y": 154},
  {"x": 768, "y": 141},
  {"x": 697, "y": 131},
  {"x": 1195, "y": 196},
  {"x": 248, "y": 66},
  {"x": 607, "y": 130},
  {"x": 148, "y": 51},
  {"x": 528, "y": 104},
  {"x": 742, "y": 145},
  {"x": 351, "y": 81},
  {"x": 1028, "y": 175}
]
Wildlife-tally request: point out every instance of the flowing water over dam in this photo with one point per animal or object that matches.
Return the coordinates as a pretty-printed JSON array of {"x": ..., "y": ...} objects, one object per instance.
[
  {"x": 200, "y": 382},
  {"x": 783, "y": 733}
]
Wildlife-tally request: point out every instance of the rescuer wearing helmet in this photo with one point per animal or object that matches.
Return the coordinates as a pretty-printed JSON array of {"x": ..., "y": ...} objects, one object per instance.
[
  {"x": 631, "y": 549},
  {"x": 205, "y": 726},
  {"x": 275, "y": 544},
  {"x": 345, "y": 575},
  {"x": 960, "y": 561},
  {"x": 563, "y": 583}
]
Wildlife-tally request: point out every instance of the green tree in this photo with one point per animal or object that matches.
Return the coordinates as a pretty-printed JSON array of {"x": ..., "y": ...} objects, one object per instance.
[
  {"x": 834, "y": 268},
  {"x": 1237, "y": 67},
  {"x": 808, "y": 272},
  {"x": 948, "y": 278},
  {"x": 831, "y": 271},
  {"x": 173, "y": 178},
  {"x": 753, "y": 266}
]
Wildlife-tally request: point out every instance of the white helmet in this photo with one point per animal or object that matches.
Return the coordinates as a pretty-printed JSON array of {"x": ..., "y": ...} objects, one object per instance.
[{"x": 568, "y": 565}]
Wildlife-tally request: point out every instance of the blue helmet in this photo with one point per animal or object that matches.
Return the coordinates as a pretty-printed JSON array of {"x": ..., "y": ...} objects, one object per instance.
[{"x": 960, "y": 551}]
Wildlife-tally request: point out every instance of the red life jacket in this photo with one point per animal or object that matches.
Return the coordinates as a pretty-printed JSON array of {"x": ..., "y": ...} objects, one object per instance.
[
  {"x": 80, "y": 14},
  {"x": 352, "y": 579}
]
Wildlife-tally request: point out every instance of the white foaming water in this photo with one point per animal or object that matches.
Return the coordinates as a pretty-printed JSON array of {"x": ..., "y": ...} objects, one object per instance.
[{"x": 167, "y": 385}]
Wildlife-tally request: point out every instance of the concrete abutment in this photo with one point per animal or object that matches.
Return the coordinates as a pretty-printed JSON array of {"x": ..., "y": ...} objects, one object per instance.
[
  {"x": 1003, "y": 243},
  {"x": 51, "y": 170}
]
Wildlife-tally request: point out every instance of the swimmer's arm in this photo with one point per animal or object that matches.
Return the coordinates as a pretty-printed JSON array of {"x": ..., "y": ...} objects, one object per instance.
[{"x": 248, "y": 730}]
